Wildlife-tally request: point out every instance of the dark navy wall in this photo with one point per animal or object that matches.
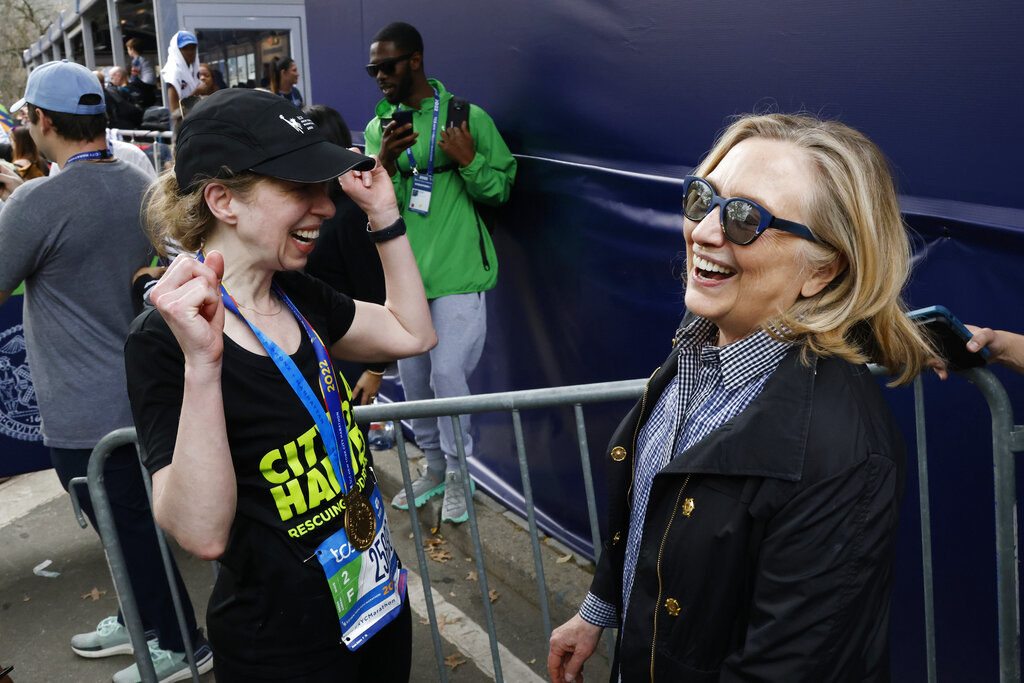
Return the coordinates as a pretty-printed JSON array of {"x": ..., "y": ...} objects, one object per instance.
[
  {"x": 936, "y": 83},
  {"x": 607, "y": 103}
]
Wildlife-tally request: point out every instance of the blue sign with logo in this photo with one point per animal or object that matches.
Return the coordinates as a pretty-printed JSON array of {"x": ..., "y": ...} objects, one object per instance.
[{"x": 21, "y": 441}]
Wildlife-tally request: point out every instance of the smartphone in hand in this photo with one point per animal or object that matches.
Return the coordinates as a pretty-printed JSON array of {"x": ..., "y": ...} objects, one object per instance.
[
  {"x": 401, "y": 118},
  {"x": 950, "y": 336}
]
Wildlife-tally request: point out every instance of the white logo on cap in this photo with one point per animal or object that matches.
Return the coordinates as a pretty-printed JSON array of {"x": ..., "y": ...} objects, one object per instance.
[{"x": 293, "y": 123}]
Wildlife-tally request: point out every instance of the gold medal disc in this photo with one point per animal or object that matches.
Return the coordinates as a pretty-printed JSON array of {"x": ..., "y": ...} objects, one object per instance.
[{"x": 360, "y": 523}]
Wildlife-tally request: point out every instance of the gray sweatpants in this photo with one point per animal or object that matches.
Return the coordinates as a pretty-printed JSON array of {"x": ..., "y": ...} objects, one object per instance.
[{"x": 442, "y": 372}]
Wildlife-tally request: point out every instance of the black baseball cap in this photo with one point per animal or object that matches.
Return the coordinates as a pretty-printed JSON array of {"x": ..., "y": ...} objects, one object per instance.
[{"x": 237, "y": 129}]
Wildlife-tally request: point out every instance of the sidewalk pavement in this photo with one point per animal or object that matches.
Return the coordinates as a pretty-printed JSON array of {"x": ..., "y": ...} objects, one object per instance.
[{"x": 54, "y": 582}]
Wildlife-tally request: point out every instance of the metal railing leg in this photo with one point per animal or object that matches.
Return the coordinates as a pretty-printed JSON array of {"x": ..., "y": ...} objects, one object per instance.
[
  {"x": 477, "y": 547},
  {"x": 1006, "y": 520},
  {"x": 76, "y": 505},
  {"x": 112, "y": 547},
  {"x": 588, "y": 486},
  {"x": 421, "y": 557},
  {"x": 926, "y": 528},
  {"x": 531, "y": 517},
  {"x": 172, "y": 584},
  {"x": 588, "y": 480}
]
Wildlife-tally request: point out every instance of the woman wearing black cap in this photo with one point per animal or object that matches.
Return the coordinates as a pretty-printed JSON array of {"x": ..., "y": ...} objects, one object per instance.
[{"x": 245, "y": 427}]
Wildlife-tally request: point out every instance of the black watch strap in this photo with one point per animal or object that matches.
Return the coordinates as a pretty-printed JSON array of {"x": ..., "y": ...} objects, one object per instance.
[{"x": 396, "y": 229}]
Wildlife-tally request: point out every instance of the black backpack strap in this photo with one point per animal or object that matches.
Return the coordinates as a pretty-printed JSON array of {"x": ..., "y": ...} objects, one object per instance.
[{"x": 443, "y": 168}]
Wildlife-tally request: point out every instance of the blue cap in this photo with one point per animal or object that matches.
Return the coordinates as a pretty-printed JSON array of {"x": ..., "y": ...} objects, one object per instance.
[
  {"x": 186, "y": 38},
  {"x": 58, "y": 86}
]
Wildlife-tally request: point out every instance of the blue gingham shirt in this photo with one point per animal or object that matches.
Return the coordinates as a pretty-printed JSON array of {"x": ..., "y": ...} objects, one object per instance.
[{"x": 713, "y": 384}]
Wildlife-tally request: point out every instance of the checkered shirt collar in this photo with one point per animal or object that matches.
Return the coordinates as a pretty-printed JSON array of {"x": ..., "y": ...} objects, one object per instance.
[{"x": 740, "y": 361}]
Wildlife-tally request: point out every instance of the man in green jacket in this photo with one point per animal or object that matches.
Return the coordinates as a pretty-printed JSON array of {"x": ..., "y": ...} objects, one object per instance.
[{"x": 439, "y": 173}]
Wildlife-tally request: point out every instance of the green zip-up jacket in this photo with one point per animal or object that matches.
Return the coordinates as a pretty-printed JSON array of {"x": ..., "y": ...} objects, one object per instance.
[{"x": 453, "y": 250}]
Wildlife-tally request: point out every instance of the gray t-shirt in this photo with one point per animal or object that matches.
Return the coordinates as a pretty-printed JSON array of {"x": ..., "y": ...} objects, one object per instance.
[{"x": 75, "y": 239}]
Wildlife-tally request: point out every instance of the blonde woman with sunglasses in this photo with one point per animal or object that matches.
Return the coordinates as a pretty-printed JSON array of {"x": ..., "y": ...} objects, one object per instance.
[{"x": 755, "y": 489}]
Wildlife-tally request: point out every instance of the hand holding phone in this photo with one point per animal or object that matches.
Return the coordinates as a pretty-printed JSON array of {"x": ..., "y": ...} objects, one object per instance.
[
  {"x": 402, "y": 117},
  {"x": 950, "y": 337}
]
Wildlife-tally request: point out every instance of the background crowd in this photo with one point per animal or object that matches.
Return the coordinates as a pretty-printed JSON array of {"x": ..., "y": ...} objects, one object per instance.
[{"x": 440, "y": 168}]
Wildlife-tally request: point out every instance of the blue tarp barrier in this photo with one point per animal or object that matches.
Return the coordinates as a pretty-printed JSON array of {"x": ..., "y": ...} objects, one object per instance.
[{"x": 607, "y": 104}]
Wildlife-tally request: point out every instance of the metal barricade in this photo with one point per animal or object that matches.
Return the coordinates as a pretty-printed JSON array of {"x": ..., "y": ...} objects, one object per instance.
[
  {"x": 512, "y": 402},
  {"x": 115, "y": 557},
  {"x": 160, "y": 139},
  {"x": 1007, "y": 439}
]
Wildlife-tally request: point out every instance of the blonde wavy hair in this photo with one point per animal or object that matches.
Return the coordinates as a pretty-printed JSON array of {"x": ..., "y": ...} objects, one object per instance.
[
  {"x": 185, "y": 219},
  {"x": 853, "y": 212}
]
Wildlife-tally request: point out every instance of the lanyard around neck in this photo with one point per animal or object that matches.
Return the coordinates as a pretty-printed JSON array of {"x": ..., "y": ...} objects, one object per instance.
[
  {"x": 331, "y": 424},
  {"x": 94, "y": 155},
  {"x": 433, "y": 138}
]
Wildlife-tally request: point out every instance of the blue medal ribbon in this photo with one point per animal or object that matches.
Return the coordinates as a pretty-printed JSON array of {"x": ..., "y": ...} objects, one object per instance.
[{"x": 331, "y": 424}]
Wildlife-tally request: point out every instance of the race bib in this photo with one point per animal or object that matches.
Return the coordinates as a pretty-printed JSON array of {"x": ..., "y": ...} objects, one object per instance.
[{"x": 367, "y": 587}]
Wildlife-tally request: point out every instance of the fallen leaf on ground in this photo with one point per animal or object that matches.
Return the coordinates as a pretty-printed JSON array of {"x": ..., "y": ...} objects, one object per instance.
[
  {"x": 564, "y": 558},
  {"x": 453, "y": 660},
  {"x": 494, "y": 594},
  {"x": 26, "y": 599},
  {"x": 452, "y": 594},
  {"x": 472, "y": 576},
  {"x": 469, "y": 559},
  {"x": 412, "y": 535},
  {"x": 425, "y": 622},
  {"x": 439, "y": 555},
  {"x": 436, "y": 550},
  {"x": 532, "y": 661},
  {"x": 95, "y": 594}
]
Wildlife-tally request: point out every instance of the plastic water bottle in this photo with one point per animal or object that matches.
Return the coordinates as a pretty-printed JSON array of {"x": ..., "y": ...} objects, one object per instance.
[{"x": 382, "y": 435}]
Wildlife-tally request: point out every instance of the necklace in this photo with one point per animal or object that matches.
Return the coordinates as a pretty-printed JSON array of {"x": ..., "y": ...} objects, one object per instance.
[{"x": 259, "y": 312}]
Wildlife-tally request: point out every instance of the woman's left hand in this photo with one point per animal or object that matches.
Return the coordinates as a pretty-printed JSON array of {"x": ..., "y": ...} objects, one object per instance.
[
  {"x": 570, "y": 646},
  {"x": 373, "y": 192},
  {"x": 366, "y": 388}
]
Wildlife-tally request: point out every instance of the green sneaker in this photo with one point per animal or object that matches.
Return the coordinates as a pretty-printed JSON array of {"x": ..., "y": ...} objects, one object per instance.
[
  {"x": 424, "y": 487},
  {"x": 169, "y": 666},
  {"x": 109, "y": 638}
]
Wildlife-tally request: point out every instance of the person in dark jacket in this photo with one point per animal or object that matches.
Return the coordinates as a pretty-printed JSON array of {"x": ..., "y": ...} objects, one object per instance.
[
  {"x": 754, "y": 490},
  {"x": 346, "y": 259}
]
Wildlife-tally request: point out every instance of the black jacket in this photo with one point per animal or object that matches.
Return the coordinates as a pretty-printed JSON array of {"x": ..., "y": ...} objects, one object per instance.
[
  {"x": 121, "y": 111},
  {"x": 767, "y": 547}
]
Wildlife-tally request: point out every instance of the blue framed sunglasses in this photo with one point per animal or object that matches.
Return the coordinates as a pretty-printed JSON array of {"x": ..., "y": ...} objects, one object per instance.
[{"x": 743, "y": 220}]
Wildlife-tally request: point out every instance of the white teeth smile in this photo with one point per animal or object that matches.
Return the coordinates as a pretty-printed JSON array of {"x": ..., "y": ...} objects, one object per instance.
[
  {"x": 306, "y": 235},
  {"x": 704, "y": 264}
]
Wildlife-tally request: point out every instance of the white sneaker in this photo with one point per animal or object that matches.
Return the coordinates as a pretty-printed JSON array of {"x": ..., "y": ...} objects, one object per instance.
[
  {"x": 454, "y": 507},
  {"x": 170, "y": 666},
  {"x": 110, "y": 638}
]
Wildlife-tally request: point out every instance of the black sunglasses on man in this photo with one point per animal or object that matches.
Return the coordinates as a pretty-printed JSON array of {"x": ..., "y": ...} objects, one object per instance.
[{"x": 387, "y": 66}]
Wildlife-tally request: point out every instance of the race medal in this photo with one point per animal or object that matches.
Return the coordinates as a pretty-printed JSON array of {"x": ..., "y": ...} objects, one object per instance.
[{"x": 360, "y": 525}]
